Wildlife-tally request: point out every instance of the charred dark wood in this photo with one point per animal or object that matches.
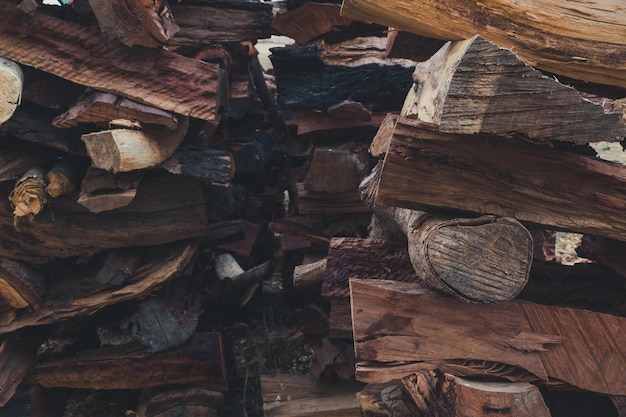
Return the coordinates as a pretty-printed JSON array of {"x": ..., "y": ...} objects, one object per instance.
[
  {"x": 202, "y": 163},
  {"x": 119, "y": 266}
]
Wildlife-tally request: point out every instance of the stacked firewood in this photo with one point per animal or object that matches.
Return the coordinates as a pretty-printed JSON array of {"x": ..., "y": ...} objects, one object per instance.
[{"x": 407, "y": 191}]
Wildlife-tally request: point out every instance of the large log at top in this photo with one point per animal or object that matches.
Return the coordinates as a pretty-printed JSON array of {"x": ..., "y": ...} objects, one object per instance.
[
  {"x": 402, "y": 328},
  {"x": 474, "y": 86},
  {"x": 426, "y": 169},
  {"x": 581, "y": 40},
  {"x": 160, "y": 78}
]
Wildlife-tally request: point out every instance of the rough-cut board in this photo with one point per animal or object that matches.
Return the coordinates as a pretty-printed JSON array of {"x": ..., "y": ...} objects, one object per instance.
[
  {"x": 579, "y": 39},
  {"x": 426, "y": 169},
  {"x": 443, "y": 395},
  {"x": 11, "y": 85},
  {"x": 132, "y": 366},
  {"x": 474, "y": 86},
  {"x": 406, "y": 324},
  {"x": 166, "y": 209},
  {"x": 309, "y": 21},
  {"x": 75, "y": 292},
  {"x": 159, "y": 78}
]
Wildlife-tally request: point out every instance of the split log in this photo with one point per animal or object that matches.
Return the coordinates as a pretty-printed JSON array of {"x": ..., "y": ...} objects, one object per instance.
[
  {"x": 223, "y": 21},
  {"x": 136, "y": 22},
  {"x": 308, "y": 275},
  {"x": 104, "y": 191},
  {"x": 73, "y": 291},
  {"x": 474, "y": 86},
  {"x": 184, "y": 401},
  {"x": 443, "y": 395},
  {"x": 65, "y": 176},
  {"x": 21, "y": 285},
  {"x": 202, "y": 163},
  {"x": 386, "y": 400},
  {"x": 426, "y": 169},
  {"x": 28, "y": 196},
  {"x": 159, "y": 78},
  {"x": 123, "y": 150},
  {"x": 304, "y": 396},
  {"x": 100, "y": 107},
  {"x": 309, "y": 21},
  {"x": 519, "y": 337},
  {"x": 109, "y": 367},
  {"x": 17, "y": 355},
  {"x": 11, "y": 86},
  {"x": 401, "y": 44},
  {"x": 580, "y": 49},
  {"x": 166, "y": 209}
]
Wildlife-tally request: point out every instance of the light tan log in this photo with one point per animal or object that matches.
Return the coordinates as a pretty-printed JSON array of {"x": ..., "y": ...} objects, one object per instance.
[
  {"x": 309, "y": 274},
  {"x": 123, "y": 150},
  {"x": 136, "y": 22},
  {"x": 444, "y": 395},
  {"x": 402, "y": 328},
  {"x": 581, "y": 40},
  {"x": 66, "y": 175},
  {"x": 11, "y": 86},
  {"x": 28, "y": 196},
  {"x": 474, "y": 86}
]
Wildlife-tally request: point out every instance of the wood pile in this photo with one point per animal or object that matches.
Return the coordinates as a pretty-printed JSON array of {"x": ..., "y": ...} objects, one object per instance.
[{"x": 367, "y": 228}]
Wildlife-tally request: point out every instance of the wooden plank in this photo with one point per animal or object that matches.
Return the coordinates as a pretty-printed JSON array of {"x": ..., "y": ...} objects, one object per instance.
[
  {"x": 406, "y": 324},
  {"x": 158, "y": 78},
  {"x": 426, "y": 169},
  {"x": 581, "y": 40}
]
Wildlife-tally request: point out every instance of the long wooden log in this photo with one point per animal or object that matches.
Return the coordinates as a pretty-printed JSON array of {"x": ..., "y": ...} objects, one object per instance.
[
  {"x": 426, "y": 169},
  {"x": 580, "y": 40},
  {"x": 160, "y": 78},
  {"x": 474, "y": 86},
  {"x": 407, "y": 325}
]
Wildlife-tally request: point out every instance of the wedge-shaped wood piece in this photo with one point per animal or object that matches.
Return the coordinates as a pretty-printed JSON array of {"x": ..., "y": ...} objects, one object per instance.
[
  {"x": 444, "y": 395},
  {"x": 100, "y": 107},
  {"x": 426, "y": 169},
  {"x": 136, "y": 22},
  {"x": 309, "y": 21},
  {"x": 11, "y": 86},
  {"x": 21, "y": 285},
  {"x": 160, "y": 78},
  {"x": 74, "y": 292},
  {"x": 474, "y": 86},
  {"x": 582, "y": 40},
  {"x": 405, "y": 324},
  {"x": 200, "y": 360},
  {"x": 123, "y": 150}
]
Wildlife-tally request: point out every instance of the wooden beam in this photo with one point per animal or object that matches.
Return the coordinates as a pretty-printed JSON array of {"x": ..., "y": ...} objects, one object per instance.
[
  {"x": 474, "y": 86},
  {"x": 549, "y": 35},
  {"x": 407, "y": 325},
  {"x": 158, "y": 78},
  {"x": 426, "y": 169}
]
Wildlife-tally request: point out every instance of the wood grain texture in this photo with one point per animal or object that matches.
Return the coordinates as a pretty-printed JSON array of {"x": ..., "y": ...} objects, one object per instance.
[
  {"x": 404, "y": 323},
  {"x": 426, "y": 169},
  {"x": 11, "y": 86},
  {"x": 80, "y": 54},
  {"x": 578, "y": 39},
  {"x": 474, "y": 86},
  {"x": 309, "y": 21}
]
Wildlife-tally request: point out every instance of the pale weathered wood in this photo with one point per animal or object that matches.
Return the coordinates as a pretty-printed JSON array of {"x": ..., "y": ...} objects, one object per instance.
[
  {"x": 158, "y": 78},
  {"x": 307, "y": 275},
  {"x": 74, "y": 292},
  {"x": 474, "y": 86},
  {"x": 100, "y": 107},
  {"x": 11, "y": 86},
  {"x": 580, "y": 40},
  {"x": 485, "y": 259},
  {"x": 309, "y": 21},
  {"x": 21, "y": 285},
  {"x": 443, "y": 395},
  {"x": 123, "y": 150},
  {"x": 200, "y": 360},
  {"x": 136, "y": 22},
  {"x": 380, "y": 142},
  {"x": 407, "y": 325},
  {"x": 426, "y": 169},
  {"x": 104, "y": 191}
]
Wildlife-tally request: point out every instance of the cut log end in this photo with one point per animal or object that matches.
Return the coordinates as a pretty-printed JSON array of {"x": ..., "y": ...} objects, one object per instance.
[{"x": 11, "y": 85}]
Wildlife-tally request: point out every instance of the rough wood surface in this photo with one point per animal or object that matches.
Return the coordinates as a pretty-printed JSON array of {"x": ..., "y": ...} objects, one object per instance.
[
  {"x": 21, "y": 285},
  {"x": 158, "y": 78},
  {"x": 180, "y": 401},
  {"x": 401, "y": 44},
  {"x": 580, "y": 40},
  {"x": 425, "y": 169},
  {"x": 11, "y": 86},
  {"x": 17, "y": 157},
  {"x": 136, "y": 22},
  {"x": 104, "y": 191},
  {"x": 100, "y": 107},
  {"x": 123, "y": 150},
  {"x": 309, "y": 21},
  {"x": 443, "y": 395},
  {"x": 474, "y": 86},
  {"x": 109, "y": 367},
  {"x": 405, "y": 324},
  {"x": 17, "y": 355},
  {"x": 74, "y": 292},
  {"x": 202, "y": 163},
  {"x": 66, "y": 175}
]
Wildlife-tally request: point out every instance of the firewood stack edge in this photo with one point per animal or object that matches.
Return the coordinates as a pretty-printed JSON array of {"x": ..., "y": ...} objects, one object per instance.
[{"x": 368, "y": 225}]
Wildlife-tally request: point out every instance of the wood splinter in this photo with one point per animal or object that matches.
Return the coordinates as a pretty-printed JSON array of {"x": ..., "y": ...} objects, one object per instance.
[
  {"x": 28, "y": 196},
  {"x": 246, "y": 282}
]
